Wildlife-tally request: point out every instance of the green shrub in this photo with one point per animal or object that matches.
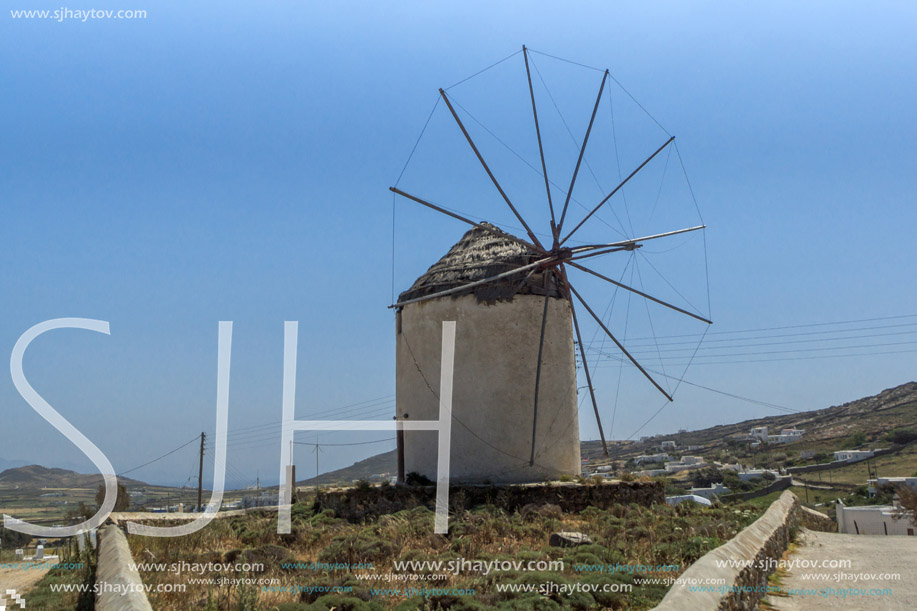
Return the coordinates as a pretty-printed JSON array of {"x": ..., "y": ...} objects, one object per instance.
[{"x": 361, "y": 547}]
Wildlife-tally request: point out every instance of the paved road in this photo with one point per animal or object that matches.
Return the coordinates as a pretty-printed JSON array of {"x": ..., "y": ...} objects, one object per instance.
[
  {"x": 23, "y": 580},
  {"x": 873, "y": 562}
]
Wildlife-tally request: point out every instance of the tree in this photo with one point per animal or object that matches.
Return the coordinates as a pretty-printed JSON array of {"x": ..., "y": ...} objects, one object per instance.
[
  {"x": 13, "y": 538},
  {"x": 123, "y": 501},
  {"x": 706, "y": 477},
  {"x": 901, "y": 436},
  {"x": 907, "y": 504},
  {"x": 82, "y": 513},
  {"x": 857, "y": 439}
]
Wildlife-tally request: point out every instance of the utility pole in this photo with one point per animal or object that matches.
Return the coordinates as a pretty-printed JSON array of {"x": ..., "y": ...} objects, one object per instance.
[
  {"x": 317, "y": 449},
  {"x": 200, "y": 474},
  {"x": 399, "y": 435}
]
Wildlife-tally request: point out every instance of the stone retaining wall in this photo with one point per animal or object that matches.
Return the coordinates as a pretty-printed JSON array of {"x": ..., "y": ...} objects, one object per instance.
[
  {"x": 120, "y": 588},
  {"x": 829, "y": 466},
  {"x": 357, "y": 504},
  {"x": 765, "y": 540},
  {"x": 814, "y": 520},
  {"x": 779, "y": 484}
]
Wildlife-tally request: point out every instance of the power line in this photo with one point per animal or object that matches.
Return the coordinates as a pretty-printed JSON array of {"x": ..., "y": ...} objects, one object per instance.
[
  {"x": 783, "y": 335},
  {"x": 360, "y": 443},
  {"x": 781, "y": 328},
  {"x": 278, "y": 428},
  {"x": 791, "y": 351},
  {"x": 196, "y": 438}
]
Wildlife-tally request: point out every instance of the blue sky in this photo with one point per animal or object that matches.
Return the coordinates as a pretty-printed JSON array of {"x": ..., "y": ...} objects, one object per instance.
[{"x": 232, "y": 161}]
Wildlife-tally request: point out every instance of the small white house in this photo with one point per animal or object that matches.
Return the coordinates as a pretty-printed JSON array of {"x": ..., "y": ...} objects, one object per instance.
[
  {"x": 667, "y": 445},
  {"x": 852, "y": 455},
  {"x": 750, "y": 474},
  {"x": 759, "y": 432},
  {"x": 786, "y": 436},
  {"x": 872, "y": 520},
  {"x": 711, "y": 492},
  {"x": 681, "y": 498},
  {"x": 686, "y": 462}
]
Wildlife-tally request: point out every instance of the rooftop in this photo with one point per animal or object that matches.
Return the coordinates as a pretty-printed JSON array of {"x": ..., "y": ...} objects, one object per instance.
[{"x": 479, "y": 255}]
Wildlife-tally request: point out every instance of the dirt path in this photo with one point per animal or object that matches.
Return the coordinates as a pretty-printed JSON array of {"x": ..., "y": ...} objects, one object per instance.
[
  {"x": 23, "y": 580},
  {"x": 867, "y": 583}
]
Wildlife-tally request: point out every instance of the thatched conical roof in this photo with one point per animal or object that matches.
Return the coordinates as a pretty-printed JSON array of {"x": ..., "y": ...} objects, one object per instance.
[{"x": 478, "y": 255}]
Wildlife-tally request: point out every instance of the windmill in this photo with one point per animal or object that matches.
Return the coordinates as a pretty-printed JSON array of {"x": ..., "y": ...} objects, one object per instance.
[{"x": 514, "y": 298}]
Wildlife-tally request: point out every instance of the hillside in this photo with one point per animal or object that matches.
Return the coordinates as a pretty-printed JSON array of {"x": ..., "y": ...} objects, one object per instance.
[
  {"x": 364, "y": 469},
  {"x": 826, "y": 430},
  {"x": 36, "y": 476}
]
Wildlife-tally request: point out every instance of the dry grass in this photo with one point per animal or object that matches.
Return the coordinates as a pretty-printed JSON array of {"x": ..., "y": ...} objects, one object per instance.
[{"x": 623, "y": 534}]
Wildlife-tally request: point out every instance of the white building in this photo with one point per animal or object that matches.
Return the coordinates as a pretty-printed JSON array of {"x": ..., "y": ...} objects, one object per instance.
[
  {"x": 758, "y": 432},
  {"x": 686, "y": 462},
  {"x": 661, "y": 457},
  {"x": 786, "y": 436},
  {"x": 668, "y": 445},
  {"x": 681, "y": 498},
  {"x": 750, "y": 474},
  {"x": 852, "y": 455},
  {"x": 711, "y": 492},
  {"x": 871, "y": 520}
]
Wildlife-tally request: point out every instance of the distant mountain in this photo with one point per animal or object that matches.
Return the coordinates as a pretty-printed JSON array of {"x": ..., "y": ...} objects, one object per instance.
[
  {"x": 36, "y": 476},
  {"x": 825, "y": 429},
  {"x": 893, "y": 408},
  {"x": 11, "y": 464},
  {"x": 380, "y": 463}
]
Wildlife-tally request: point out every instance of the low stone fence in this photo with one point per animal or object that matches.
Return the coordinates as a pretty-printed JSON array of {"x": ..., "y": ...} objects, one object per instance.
[
  {"x": 814, "y": 520},
  {"x": 119, "y": 587},
  {"x": 837, "y": 464},
  {"x": 357, "y": 504},
  {"x": 747, "y": 560},
  {"x": 815, "y": 484},
  {"x": 781, "y": 483}
]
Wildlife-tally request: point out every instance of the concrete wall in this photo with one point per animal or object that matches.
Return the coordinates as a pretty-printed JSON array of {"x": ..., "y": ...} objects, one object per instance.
[
  {"x": 496, "y": 355},
  {"x": 120, "y": 589}
]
